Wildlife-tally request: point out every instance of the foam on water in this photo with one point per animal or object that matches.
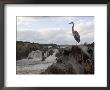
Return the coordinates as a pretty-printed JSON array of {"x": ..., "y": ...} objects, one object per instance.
[{"x": 35, "y": 65}]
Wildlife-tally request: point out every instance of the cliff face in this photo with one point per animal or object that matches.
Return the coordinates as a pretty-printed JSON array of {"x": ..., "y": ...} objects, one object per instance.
[{"x": 76, "y": 60}]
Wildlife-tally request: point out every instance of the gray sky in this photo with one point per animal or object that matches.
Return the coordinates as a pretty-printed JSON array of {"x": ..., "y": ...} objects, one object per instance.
[{"x": 50, "y": 29}]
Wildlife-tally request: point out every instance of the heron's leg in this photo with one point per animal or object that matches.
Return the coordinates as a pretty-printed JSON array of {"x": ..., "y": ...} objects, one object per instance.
[
  {"x": 76, "y": 43},
  {"x": 82, "y": 56}
]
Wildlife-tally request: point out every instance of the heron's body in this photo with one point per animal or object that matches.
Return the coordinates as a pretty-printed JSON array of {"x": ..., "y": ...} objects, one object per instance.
[{"x": 76, "y": 36}]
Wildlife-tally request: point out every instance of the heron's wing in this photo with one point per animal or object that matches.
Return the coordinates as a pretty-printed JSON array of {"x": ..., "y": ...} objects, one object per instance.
[{"x": 76, "y": 34}]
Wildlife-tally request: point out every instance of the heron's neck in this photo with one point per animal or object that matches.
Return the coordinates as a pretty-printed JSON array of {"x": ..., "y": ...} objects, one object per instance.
[{"x": 73, "y": 28}]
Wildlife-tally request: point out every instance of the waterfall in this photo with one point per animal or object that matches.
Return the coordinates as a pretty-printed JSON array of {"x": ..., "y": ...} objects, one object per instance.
[
  {"x": 36, "y": 55},
  {"x": 33, "y": 64}
]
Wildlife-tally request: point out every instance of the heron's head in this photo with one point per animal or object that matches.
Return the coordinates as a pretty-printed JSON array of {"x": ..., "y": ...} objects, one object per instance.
[{"x": 71, "y": 23}]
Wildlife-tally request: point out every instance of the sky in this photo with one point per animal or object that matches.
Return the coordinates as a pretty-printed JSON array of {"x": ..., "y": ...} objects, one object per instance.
[{"x": 55, "y": 29}]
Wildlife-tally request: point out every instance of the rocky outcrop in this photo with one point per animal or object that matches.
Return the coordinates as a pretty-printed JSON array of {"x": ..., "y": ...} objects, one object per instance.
[{"x": 72, "y": 61}]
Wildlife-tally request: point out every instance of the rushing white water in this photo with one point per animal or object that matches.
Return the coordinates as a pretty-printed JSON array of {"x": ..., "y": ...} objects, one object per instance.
[
  {"x": 35, "y": 65},
  {"x": 36, "y": 55}
]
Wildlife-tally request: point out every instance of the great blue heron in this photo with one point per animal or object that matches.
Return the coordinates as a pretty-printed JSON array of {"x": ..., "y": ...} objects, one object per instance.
[{"x": 75, "y": 33}]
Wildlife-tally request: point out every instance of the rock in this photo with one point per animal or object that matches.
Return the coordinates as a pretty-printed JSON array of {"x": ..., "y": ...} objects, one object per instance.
[
  {"x": 72, "y": 61},
  {"x": 60, "y": 68},
  {"x": 65, "y": 65}
]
